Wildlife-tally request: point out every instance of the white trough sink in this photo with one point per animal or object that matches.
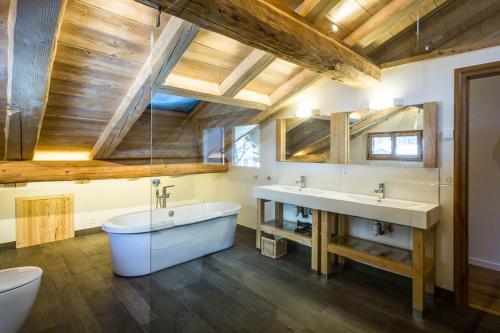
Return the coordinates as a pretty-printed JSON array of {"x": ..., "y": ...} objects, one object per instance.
[{"x": 409, "y": 213}]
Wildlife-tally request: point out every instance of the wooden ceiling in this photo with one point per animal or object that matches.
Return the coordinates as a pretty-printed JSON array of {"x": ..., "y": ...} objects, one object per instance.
[{"x": 97, "y": 90}]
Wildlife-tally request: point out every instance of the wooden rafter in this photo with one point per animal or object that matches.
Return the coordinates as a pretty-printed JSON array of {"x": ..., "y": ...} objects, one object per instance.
[
  {"x": 175, "y": 38},
  {"x": 33, "y": 31},
  {"x": 246, "y": 71},
  {"x": 452, "y": 21},
  {"x": 281, "y": 32}
]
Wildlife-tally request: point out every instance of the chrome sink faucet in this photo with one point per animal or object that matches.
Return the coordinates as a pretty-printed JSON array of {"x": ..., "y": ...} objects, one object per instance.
[
  {"x": 380, "y": 191},
  {"x": 301, "y": 182},
  {"x": 161, "y": 200}
]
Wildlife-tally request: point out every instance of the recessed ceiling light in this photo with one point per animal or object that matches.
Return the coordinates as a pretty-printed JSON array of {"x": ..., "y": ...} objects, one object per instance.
[{"x": 335, "y": 27}]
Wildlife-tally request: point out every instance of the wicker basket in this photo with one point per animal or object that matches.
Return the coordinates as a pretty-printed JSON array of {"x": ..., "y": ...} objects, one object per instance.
[{"x": 273, "y": 247}]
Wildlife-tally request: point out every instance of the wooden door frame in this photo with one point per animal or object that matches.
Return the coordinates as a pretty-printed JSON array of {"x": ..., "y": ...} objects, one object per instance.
[{"x": 461, "y": 174}]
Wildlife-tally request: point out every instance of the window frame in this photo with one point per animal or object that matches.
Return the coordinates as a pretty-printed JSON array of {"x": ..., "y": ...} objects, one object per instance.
[{"x": 393, "y": 156}]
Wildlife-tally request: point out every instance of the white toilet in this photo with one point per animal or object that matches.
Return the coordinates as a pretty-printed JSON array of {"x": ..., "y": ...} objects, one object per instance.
[{"x": 18, "y": 290}]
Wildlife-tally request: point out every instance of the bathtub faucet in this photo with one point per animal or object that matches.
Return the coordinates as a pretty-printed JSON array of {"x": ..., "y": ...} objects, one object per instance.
[{"x": 162, "y": 199}]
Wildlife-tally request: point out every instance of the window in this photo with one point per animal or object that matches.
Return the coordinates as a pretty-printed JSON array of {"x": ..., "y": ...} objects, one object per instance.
[
  {"x": 246, "y": 145},
  {"x": 399, "y": 146},
  {"x": 213, "y": 145}
]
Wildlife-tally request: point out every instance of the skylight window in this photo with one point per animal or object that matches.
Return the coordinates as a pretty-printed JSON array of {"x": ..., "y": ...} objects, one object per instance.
[{"x": 168, "y": 102}]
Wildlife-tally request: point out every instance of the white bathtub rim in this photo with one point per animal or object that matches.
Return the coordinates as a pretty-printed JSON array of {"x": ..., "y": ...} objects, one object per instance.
[{"x": 110, "y": 226}]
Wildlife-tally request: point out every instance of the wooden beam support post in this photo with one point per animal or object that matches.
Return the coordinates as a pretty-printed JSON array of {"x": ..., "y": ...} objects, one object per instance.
[
  {"x": 33, "y": 31},
  {"x": 280, "y": 140},
  {"x": 430, "y": 141},
  {"x": 315, "y": 241},
  {"x": 175, "y": 38},
  {"x": 418, "y": 254},
  {"x": 327, "y": 229},
  {"x": 261, "y": 219},
  {"x": 281, "y": 32},
  {"x": 343, "y": 231},
  {"x": 339, "y": 138}
]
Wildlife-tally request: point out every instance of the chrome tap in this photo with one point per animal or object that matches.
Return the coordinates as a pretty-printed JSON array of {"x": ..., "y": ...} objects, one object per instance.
[
  {"x": 380, "y": 191},
  {"x": 301, "y": 182},
  {"x": 161, "y": 200}
]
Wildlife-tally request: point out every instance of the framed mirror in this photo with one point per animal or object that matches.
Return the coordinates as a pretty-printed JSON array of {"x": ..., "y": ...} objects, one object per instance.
[
  {"x": 400, "y": 135},
  {"x": 304, "y": 139}
]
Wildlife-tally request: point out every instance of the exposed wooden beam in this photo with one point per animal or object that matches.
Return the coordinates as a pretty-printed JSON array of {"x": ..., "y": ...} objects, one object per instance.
[
  {"x": 42, "y": 171},
  {"x": 285, "y": 93},
  {"x": 173, "y": 41},
  {"x": 382, "y": 21},
  {"x": 33, "y": 30},
  {"x": 207, "y": 91},
  {"x": 444, "y": 52},
  {"x": 450, "y": 21},
  {"x": 281, "y": 32},
  {"x": 246, "y": 71},
  {"x": 315, "y": 10}
]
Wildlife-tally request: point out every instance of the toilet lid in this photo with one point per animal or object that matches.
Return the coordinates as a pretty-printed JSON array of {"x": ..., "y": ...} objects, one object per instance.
[{"x": 13, "y": 278}]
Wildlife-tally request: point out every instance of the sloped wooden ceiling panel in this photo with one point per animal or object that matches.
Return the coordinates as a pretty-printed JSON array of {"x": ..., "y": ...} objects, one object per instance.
[
  {"x": 102, "y": 46},
  {"x": 4, "y": 42}
]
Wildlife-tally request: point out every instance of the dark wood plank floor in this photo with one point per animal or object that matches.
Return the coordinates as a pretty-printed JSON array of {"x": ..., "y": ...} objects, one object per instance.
[
  {"x": 484, "y": 289},
  {"x": 236, "y": 290}
]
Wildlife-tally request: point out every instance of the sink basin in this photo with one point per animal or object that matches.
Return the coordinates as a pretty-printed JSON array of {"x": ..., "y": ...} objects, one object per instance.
[
  {"x": 382, "y": 202},
  {"x": 409, "y": 213}
]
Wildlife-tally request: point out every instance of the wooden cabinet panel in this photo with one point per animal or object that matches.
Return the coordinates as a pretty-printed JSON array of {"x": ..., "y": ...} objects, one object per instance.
[{"x": 44, "y": 219}]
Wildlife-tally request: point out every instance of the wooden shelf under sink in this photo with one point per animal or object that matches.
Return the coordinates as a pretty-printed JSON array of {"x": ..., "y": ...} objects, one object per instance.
[{"x": 286, "y": 231}]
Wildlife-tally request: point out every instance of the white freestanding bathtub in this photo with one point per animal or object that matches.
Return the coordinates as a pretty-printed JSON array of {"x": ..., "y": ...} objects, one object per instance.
[{"x": 148, "y": 241}]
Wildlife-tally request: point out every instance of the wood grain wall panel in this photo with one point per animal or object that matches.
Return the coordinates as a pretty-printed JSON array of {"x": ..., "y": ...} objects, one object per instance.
[
  {"x": 94, "y": 104},
  {"x": 96, "y": 61},
  {"x": 81, "y": 74},
  {"x": 200, "y": 70},
  {"x": 129, "y": 9},
  {"x": 93, "y": 40},
  {"x": 222, "y": 43},
  {"x": 137, "y": 142},
  {"x": 102, "y": 21},
  {"x": 85, "y": 90},
  {"x": 76, "y": 112},
  {"x": 209, "y": 55},
  {"x": 44, "y": 219}
]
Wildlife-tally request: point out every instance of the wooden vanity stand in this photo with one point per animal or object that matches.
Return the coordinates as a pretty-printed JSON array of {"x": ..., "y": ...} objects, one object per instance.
[
  {"x": 281, "y": 228},
  {"x": 417, "y": 264}
]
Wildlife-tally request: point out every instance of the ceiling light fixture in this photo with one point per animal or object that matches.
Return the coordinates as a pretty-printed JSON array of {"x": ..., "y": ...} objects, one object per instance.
[{"x": 335, "y": 27}]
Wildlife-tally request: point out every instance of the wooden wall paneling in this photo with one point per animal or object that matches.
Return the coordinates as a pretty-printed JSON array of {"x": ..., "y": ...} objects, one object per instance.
[
  {"x": 28, "y": 80},
  {"x": 288, "y": 31},
  {"x": 430, "y": 133},
  {"x": 44, "y": 219},
  {"x": 90, "y": 39},
  {"x": 438, "y": 28},
  {"x": 174, "y": 40},
  {"x": 339, "y": 138},
  {"x": 280, "y": 140}
]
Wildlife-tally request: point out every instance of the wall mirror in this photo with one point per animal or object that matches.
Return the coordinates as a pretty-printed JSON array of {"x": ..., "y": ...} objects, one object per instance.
[
  {"x": 399, "y": 135},
  {"x": 305, "y": 139}
]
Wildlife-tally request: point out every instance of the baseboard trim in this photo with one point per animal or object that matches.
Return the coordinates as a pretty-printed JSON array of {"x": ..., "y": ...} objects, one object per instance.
[
  {"x": 88, "y": 231},
  {"x": 484, "y": 263},
  {"x": 8, "y": 246}
]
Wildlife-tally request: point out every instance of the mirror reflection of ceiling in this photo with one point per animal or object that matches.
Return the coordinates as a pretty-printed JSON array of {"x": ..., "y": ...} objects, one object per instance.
[{"x": 162, "y": 101}]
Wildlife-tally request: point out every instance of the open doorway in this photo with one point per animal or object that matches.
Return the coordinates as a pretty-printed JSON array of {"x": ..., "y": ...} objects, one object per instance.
[{"x": 477, "y": 187}]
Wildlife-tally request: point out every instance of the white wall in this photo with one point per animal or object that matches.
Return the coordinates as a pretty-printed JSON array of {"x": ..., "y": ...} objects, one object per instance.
[
  {"x": 415, "y": 83},
  {"x": 484, "y": 172},
  {"x": 95, "y": 202}
]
